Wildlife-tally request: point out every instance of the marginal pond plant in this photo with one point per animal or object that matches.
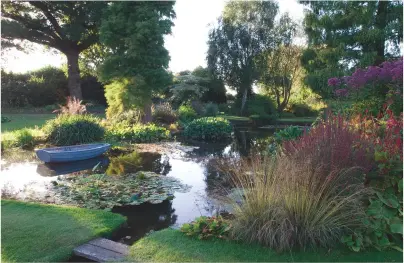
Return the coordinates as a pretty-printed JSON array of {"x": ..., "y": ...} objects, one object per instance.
[
  {"x": 73, "y": 129},
  {"x": 208, "y": 129}
]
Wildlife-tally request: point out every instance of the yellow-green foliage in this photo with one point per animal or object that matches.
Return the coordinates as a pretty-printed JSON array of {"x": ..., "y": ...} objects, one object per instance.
[
  {"x": 137, "y": 133},
  {"x": 125, "y": 94},
  {"x": 23, "y": 138},
  {"x": 283, "y": 204}
]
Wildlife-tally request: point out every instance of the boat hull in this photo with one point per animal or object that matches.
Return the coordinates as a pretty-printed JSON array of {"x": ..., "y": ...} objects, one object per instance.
[{"x": 71, "y": 153}]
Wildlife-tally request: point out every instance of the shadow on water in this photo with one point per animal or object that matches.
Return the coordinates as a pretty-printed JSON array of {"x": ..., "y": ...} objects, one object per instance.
[{"x": 197, "y": 168}]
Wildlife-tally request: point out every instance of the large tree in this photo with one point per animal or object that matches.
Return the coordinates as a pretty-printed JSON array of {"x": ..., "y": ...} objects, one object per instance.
[
  {"x": 134, "y": 34},
  {"x": 243, "y": 31},
  {"x": 280, "y": 68},
  {"x": 70, "y": 27},
  {"x": 347, "y": 34}
]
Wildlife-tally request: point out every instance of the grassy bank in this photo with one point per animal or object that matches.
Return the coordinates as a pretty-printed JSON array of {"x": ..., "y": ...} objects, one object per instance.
[
  {"x": 35, "y": 232},
  {"x": 29, "y": 120},
  {"x": 173, "y": 246}
]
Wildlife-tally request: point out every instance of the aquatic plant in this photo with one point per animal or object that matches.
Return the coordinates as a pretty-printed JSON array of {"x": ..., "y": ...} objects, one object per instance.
[
  {"x": 208, "y": 129},
  {"x": 99, "y": 191},
  {"x": 207, "y": 227}
]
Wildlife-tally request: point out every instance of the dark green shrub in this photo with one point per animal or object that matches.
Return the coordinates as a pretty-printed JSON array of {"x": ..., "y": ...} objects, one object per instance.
[
  {"x": 164, "y": 113},
  {"x": 260, "y": 105},
  {"x": 5, "y": 119},
  {"x": 138, "y": 133},
  {"x": 208, "y": 129},
  {"x": 73, "y": 129},
  {"x": 207, "y": 227},
  {"x": 302, "y": 110},
  {"x": 262, "y": 119},
  {"x": 211, "y": 109},
  {"x": 286, "y": 114},
  {"x": 186, "y": 113}
]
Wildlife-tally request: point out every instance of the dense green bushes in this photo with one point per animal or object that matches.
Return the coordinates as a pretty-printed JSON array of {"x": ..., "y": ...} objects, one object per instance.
[
  {"x": 73, "y": 129},
  {"x": 164, "y": 113},
  {"x": 43, "y": 87},
  {"x": 211, "y": 109},
  {"x": 208, "y": 129},
  {"x": 138, "y": 133},
  {"x": 186, "y": 113},
  {"x": 302, "y": 110}
]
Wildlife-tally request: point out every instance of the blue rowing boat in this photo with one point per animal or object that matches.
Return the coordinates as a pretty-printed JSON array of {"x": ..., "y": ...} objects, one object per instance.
[{"x": 71, "y": 153}]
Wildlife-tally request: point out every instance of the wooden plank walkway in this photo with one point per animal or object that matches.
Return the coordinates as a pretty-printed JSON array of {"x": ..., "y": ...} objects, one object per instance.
[{"x": 102, "y": 250}]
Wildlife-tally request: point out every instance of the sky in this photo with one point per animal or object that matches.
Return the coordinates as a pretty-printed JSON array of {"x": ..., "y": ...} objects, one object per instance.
[{"x": 187, "y": 44}]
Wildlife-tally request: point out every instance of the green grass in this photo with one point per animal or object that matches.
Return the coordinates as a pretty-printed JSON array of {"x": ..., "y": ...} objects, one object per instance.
[
  {"x": 21, "y": 120},
  {"x": 173, "y": 246},
  {"x": 36, "y": 232},
  {"x": 297, "y": 119},
  {"x": 235, "y": 118}
]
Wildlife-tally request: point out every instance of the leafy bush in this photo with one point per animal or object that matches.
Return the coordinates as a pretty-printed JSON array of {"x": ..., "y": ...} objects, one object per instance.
[
  {"x": 284, "y": 203},
  {"x": 139, "y": 133},
  {"x": 207, "y": 227},
  {"x": 5, "y": 119},
  {"x": 208, "y": 129},
  {"x": 302, "y": 110},
  {"x": 260, "y": 105},
  {"x": 287, "y": 134},
  {"x": 164, "y": 113},
  {"x": 186, "y": 113},
  {"x": 211, "y": 109},
  {"x": 73, "y": 129},
  {"x": 263, "y": 119},
  {"x": 73, "y": 106},
  {"x": 286, "y": 114},
  {"x": 333, "y": 144},
  {"x": 127, "y": 118}
]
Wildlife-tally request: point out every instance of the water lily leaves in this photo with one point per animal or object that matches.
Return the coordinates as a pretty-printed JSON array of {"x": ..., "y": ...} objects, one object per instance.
[{"x": 96, "y": 191}]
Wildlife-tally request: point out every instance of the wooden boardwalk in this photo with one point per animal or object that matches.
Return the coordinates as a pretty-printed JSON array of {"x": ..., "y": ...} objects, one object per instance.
[{"x": 102, "y": 250}]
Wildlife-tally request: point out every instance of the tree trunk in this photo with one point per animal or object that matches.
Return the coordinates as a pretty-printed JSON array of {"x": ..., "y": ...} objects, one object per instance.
[
  {"x": 380, "y": 23},
  {"x": 243, "y": 101},
  {"x": 73, "y": 74},
  {"x": 147, "y": 113}
]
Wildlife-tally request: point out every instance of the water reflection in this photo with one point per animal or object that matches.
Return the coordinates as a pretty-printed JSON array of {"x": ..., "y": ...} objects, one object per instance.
[
  {"x": 197, "y": 169},
  {"x": 143, "y": 218}
]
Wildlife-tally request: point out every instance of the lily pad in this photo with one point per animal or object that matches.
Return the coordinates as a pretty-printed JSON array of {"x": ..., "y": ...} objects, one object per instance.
[{"x": 103, "y": 192}]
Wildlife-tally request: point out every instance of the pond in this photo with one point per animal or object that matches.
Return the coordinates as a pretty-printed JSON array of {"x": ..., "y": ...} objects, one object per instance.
[{"x": 24, "y": 177}]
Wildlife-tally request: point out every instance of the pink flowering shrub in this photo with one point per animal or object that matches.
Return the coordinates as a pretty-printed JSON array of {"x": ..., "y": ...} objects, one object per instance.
[{"x": 373, "y": 85}]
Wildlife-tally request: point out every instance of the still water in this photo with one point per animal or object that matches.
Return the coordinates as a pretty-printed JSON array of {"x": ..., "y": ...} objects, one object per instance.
[{"x": 24, "y": 177}]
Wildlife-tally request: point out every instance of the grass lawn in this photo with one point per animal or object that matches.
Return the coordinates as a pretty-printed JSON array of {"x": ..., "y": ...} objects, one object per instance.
[
  {"x": 297, "y": 120},
  {"x": 19, "y": 121},
  {"x": 235, "y": 118},
  {"x": 173, "y": 246},
  {"x": 28, "y": 120},
  {"x": 36, "y": 232}
]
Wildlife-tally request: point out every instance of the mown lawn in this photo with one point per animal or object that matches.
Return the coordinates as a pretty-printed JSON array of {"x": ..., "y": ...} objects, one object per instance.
[
  {"x": 173, "y": 246},
  {"x": 36, "y": 232},
  {"x": 28, "y": 120}
]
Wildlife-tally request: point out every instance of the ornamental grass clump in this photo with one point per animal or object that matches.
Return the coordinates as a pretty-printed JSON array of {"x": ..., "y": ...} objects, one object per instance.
[
  {"x": 208, "y": 129},
  {"x": 73, "y": 129},
  {"x": 284, "y": 203}
]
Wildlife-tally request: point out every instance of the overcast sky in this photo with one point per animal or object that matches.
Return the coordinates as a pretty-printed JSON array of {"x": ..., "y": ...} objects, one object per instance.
[{"x": 187, "y": 44}]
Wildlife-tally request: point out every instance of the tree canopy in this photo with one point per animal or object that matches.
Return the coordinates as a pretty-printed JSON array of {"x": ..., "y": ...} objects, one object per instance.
[
  {"x": 133, "y": 33},
  {"x": 70, "y": 27},
  {"x": 343, "y": 35},
  {"x": 244, "y": 30}
]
